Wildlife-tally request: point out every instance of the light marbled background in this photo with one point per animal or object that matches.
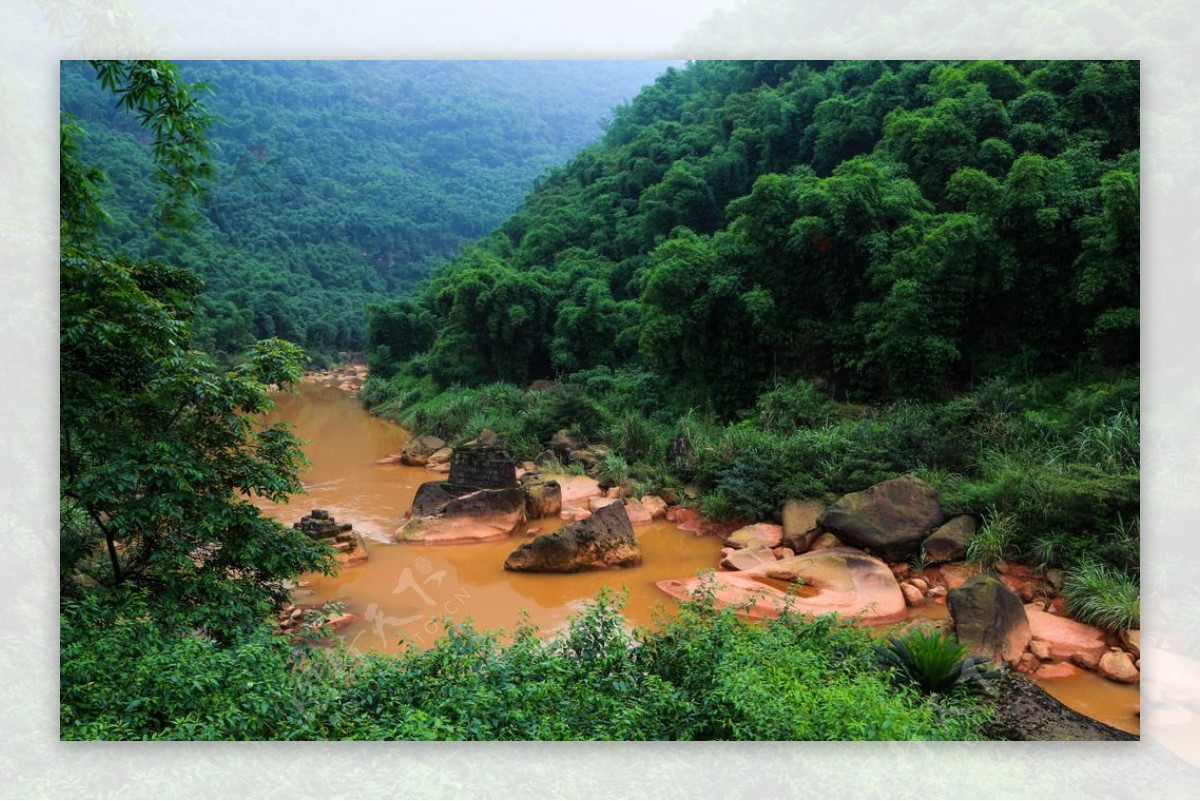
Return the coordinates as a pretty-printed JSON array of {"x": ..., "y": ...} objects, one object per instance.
[{"x": 37, "y": 33}]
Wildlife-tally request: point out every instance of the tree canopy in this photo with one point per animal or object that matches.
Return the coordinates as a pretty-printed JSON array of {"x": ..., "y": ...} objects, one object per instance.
[
  {"x": 894, "y": 229},
  {"x": 160, "y": 448},
  {"x": 336, "y": 184}
]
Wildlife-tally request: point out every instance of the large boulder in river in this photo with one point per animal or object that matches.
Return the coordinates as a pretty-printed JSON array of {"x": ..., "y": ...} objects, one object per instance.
[
  {"x": 836, "y": 580},
  {"x": 449, "y": 514},
  {"x": 889, "y": 519},
  {"x": 990, "y": 619},
  {"x": 417, "y": 452},
  {"x": 948, "y": 542},
  {"x": 604, "y": 540}
]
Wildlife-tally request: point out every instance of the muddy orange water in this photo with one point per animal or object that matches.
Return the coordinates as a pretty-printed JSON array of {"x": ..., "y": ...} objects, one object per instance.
[{"x": 402, "y": 592}]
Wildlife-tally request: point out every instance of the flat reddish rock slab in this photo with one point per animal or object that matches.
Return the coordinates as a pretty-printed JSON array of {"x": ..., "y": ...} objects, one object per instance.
[
  {"x": 750, "y": 597},
  {"x": 748, "y": 559},
  {"x": 576, "y": 489},
  {"x": 1065, "y": 636},
  {"x": 759, "y": 535},
  {"x": 847, "y": 581},
  {"x": 687, "y": 519},
  {"x": 955, "y": 574},
  {"x": 460, "y": 530},
  {"x": 1057, "y": 670}
]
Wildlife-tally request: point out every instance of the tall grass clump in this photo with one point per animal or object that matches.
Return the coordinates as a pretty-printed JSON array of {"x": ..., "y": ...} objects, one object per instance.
[
  {"x": 1103, "y": 596},
  {"x": 993, "y": 542}
]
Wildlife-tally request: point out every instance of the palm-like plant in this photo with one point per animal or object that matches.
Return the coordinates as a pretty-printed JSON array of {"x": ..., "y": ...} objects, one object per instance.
[{"x": 933, "y": 660}]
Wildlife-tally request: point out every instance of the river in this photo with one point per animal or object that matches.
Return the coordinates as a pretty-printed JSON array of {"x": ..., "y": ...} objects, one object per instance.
[{"x": 403, "y": 592}]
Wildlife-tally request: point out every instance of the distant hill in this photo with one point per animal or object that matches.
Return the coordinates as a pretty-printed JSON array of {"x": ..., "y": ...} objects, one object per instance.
[{"x": 342, "y": 183}]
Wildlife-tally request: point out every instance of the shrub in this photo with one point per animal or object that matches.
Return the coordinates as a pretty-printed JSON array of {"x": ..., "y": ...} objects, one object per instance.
[
  {"x": 1113, "y": 444},
  {"x": 612, "y": 470},
  {"x": 1102, "y": 596},
  {"x": 799, "y": 405}
]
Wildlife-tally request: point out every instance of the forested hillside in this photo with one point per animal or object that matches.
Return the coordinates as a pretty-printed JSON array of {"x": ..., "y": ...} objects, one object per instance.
[
  {"x": 895, "y": 229},
  {"x": 340, "y": 182}
]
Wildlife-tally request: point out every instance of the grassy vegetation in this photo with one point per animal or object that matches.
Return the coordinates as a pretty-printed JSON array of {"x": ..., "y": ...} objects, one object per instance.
[
  {"x": 1103, "y": 596},
  {"x": 706, "y": 674}
]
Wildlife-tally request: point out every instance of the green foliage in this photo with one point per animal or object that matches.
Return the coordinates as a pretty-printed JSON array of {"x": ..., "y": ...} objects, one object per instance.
[
  {"x": 705, "y": 675},
  {"x": 612, "y": 470},
  {"x": 1103, "y": 596},
  {"x": 994, "y": 541},
  {"x": 930, "y": 658},
  {"x": 170, "y": 108},
  {"x": 160, "y": 447},
  {"x": 338, "y": 183}
]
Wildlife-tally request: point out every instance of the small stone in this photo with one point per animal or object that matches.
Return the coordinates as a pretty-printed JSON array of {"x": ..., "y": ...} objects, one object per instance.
[
  {"x": 1088, "y": 660},
  {"x": 596, "y": 504},
  {"x": 912, "y": 595},
  {"x": 1116, "y": 665},
  {"x": 1026, "y": 592},
  {"x": 1040, "y": 649},
  {"x": 1055, "y": 578},
  {"x": 656, "y": 506},
  {"x": 826, "y": 540},
  {"x": 1057, "y": 670},
  {"x": 1131, "y": 641},
  {"x": 938, "y": 592},
  {"x": 638, "y": 514},
  {"x": 920, "y": 583},
  {"x": 748, "y": 559},
  {"x": 336, "y": 622},
  {"x": 1028, "y": 664},
  {"x": 783, "y": 552},
  {"x": 759, "y": 535}
]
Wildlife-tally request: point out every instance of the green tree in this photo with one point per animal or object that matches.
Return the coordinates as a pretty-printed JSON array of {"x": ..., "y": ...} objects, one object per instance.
[{"x": 160, "y": 449}]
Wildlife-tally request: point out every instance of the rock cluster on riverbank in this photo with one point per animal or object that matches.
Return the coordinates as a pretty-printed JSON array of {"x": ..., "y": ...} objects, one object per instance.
[
  {"x": 348, "y": 546},
  {"x": 1015, "y": 616},
  {"x": 349, "y": 377}
]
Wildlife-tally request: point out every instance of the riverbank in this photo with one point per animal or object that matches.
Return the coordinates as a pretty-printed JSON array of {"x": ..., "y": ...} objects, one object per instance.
[{"x": 373, "y": 630}]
